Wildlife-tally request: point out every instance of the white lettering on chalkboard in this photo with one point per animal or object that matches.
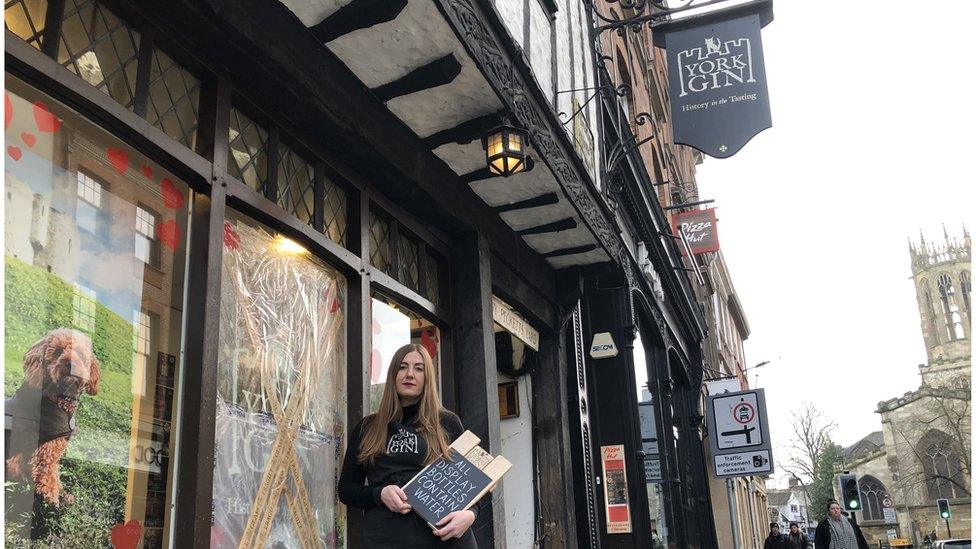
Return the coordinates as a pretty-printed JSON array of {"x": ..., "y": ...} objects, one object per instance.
[
  {"x": 443, "y": 488},
  {"x": 402, "y": 442}
]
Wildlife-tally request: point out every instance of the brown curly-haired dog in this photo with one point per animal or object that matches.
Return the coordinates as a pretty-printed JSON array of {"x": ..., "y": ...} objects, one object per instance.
[{"x": 57, "y": 369}]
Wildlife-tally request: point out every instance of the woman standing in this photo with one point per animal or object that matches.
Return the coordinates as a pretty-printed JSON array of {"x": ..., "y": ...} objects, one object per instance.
[
  {"x": 386, "y": 449},
  {"x": 838, "y": 531}
]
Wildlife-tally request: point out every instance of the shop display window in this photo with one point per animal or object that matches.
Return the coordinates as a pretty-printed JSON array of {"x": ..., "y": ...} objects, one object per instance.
[
  {"x": 393, "y": 327},
  {"x": 281, "y": 404},
  {"x": 92, "y": 334}
]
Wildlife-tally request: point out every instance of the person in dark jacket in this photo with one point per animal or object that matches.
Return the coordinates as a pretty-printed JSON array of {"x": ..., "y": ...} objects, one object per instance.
[
  {"x": 386, "y": 449},
  {"x": 796, "y": 539},
  {"x": 775, "y": 540},
  {"x": 838, "y": 532}
]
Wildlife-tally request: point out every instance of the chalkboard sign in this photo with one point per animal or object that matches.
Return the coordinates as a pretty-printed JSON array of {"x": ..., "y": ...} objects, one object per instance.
[{"x": 452, "y": 485}]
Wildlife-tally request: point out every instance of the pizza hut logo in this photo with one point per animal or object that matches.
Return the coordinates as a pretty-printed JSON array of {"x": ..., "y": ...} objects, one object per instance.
[{"x": 719, "y": 64}]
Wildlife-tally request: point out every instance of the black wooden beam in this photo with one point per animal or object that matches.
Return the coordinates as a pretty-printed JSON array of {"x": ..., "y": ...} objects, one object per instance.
[
  {"x": 483, "y": 173},
  {"x": 570, "y": 251},
  {"x": 534, "y": 202},
  {"x": 359, "y": 14},
  {"x": 436, "y": 73},
  {"x": 477, "y": 373},
  {"x": 554, "y": 227},
  {"x": 465, "y": 132}
]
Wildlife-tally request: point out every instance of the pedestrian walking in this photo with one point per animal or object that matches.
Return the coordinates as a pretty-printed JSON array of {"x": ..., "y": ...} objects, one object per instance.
[
  {"x": 775, "y": 540},
  {"x": 796, "y": 539},
  {"x": 410, "y": 431},
  {"x": 838, "y": 532}
]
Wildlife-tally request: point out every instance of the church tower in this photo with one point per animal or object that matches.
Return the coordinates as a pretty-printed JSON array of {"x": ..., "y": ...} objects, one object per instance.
[{"x": 942, "y": 274}]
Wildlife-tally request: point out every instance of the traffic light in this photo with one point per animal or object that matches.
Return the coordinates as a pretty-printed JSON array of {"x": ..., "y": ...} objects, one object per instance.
[
  {"x": 944, "y": 511},
  {"x": 850, "y": 496}
]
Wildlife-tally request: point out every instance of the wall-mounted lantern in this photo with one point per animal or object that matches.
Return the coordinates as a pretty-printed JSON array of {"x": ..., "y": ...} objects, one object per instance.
[{"x": 505, "y": 150}]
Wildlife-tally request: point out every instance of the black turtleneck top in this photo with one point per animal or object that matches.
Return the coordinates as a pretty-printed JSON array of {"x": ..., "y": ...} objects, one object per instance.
[{"x": 360, "y": 484}]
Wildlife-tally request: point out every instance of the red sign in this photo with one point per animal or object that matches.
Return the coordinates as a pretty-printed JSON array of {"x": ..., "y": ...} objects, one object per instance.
[
  {"x": 700, "y": 228},
  {"x": 615, "y": 489}
]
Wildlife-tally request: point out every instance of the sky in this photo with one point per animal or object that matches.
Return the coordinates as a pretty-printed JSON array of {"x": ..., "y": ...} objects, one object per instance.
[{"x": 871, "y": 142}]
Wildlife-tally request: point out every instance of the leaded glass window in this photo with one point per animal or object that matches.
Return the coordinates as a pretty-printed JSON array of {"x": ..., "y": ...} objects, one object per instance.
[
  {"x": 100, "y": 48},
  {"x": 379, "y": 243},
  {"x": 25, "y": 18},
  {"x": 174, "y": 99},
  {"x": 408, "y": 271},
  {"x": 296, "y": 189},
  {"x": 432, "y": 267},
  {"x": 334, "y": 212},
  {"x": 248, "y": 152}
]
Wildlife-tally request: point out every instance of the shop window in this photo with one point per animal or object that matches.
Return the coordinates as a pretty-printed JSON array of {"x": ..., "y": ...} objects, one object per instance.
[
  {"x": 248, "y": 153},
  {"x": 146, "y": 243},
  {"x": 100, "y": 48},
  {"x": 25, "y": 18},
  {"x": 74, "y": 290},
  {"x": 281, "y": 405},
  {"x": 393, "y": 327},
  {"x": 174, "y": 99}
]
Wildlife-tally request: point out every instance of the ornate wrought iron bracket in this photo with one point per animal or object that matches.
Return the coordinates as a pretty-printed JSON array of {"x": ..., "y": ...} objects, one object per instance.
[
  {"x": 646, "y": 12},
  {"x": 623, "y": 149},
  {"x": 606, "y": 91}
]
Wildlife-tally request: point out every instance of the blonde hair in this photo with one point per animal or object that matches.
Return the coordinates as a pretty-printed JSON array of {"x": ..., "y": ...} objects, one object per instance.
[{"x": 428, "y": 425}]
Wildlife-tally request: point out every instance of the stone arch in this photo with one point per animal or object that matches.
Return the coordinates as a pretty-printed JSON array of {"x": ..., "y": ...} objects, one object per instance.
[
  {"x": 950, "y": 307},
  {"x": 941, "y": 465},
  {"x": 873, "y": 494}
]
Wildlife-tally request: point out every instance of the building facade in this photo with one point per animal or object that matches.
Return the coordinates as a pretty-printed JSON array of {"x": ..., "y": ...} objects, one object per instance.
[
  {"x": 249, "y": 206},
  {"x": 922, "y": 453}
]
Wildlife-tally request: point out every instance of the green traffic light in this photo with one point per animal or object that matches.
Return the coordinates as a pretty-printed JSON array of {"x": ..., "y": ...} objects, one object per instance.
[
  {"x": 853, "y": 504},
  {"x": 945, "y": 515}
]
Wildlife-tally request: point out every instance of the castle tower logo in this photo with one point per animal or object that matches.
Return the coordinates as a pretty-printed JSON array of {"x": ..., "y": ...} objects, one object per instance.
[
  {"x": 717, "y": 78},
  {"x": 720, "y": 64}
]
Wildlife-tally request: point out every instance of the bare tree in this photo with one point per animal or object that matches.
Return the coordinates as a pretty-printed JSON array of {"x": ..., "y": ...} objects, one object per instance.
[
  {"x": 811, "y": 431},
  {"x": 945, "y": 410}
]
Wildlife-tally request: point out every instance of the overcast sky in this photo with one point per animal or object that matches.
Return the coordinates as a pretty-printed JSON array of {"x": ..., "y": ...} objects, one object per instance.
[{"x": 872, "y": 140}]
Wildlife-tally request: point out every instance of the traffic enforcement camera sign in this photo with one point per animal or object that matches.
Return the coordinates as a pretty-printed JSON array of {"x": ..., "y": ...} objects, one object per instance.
[{"x": 738, "y": 433}]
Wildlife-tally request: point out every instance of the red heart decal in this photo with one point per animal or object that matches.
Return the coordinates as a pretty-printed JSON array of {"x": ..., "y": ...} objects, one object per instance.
[
  {"x": 169, "y": 234},
  {"x": 118, "y": 158},
  {"x": 231, "y": 239},
  {"x": 172, "y": 197},
  {"x": 28, "y": 138},
  {"x": 45, "y": 119},
  {"x": 14, "y": 152},
  {"x": 334, "y": 308},
  {"x": 8, "y": 110},
  {"x": 147, "y": 171},
  {"x": 126, "y": 536}
]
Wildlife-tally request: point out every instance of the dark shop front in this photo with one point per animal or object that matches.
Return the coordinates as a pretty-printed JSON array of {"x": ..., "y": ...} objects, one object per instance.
[{"x": 227, "y": 216}]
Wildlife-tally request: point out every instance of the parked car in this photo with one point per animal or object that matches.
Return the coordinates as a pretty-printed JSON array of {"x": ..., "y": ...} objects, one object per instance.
[{"x": 953, "y": 544}]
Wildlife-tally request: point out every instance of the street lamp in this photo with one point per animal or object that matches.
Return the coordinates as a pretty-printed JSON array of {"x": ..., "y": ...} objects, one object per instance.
[{"x": 505, "y": 150}]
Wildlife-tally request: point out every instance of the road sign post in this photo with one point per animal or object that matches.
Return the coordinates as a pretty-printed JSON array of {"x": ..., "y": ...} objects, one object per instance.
[{"x": 738, "y": 432}]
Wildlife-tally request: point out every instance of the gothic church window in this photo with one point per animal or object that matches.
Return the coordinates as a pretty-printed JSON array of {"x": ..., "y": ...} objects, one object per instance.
[
  {"x": 873, "y": 494},
  {"x": 967, "y": 288},
  {"x": 941, "y": 465},
  {"x": 950, "y": 308}
]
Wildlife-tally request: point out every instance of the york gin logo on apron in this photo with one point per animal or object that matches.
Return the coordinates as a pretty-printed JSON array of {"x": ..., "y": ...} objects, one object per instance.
[{"x": 402, "y": 442}]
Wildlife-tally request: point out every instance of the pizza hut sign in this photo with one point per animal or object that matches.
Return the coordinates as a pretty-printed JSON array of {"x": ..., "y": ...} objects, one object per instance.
[{"x": 700, "y": 229}]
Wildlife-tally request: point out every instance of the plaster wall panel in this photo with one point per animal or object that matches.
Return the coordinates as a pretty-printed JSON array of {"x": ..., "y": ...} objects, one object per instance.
[
  {"x": 512, "y": 13},
  {"x": 588, "y": 258},
  {"x": 517, "y": 485},
  {"x": 382, "y": 53},
  {"x": 570, "y": 238},
  {"x": 540, "y": 45},
  {"x": 497, "y": 191},
  {"x": 312, "y": 12},
  {"x": 533, "y": 217},
  {"x": 468, "y": 96}
]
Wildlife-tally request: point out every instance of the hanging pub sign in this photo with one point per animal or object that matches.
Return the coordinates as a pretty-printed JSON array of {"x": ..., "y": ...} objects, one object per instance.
[
  {"x": 700, "y": 228},
  {"x": 717, "y": 82}
]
